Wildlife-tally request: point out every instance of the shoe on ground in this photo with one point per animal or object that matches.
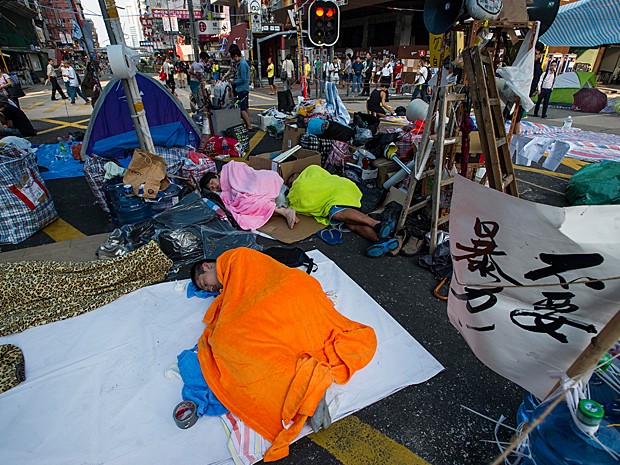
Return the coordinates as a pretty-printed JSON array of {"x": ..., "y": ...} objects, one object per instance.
[
  {"x": 543, "y": 116},
  {"x": 401, "y": 237},
  {"x": 54, "y": 99},
  {"x": 535, "y": 115},
  {"x": 380, "y": 248},
  {"x": 411, "y": 247}
]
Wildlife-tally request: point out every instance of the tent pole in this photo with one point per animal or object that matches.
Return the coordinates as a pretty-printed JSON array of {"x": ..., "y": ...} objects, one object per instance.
[{"x": 115, "y": 33}]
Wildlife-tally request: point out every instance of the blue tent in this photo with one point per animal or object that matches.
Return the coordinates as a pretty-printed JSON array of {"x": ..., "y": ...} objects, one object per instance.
[{"x": 111, "y": 131}]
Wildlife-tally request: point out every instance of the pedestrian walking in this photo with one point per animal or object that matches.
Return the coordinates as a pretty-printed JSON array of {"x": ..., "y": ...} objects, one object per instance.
[
  {"x": 398, "y": 75},
  {"x": 368, "y": 74},
  {"x": 271, "y": 72},
  {"x": 243, "y": 85},
  {"x": 347, "y": 72},
  {"x": 52, "y": 78},
  {"x": 181, "y": 70},
  {"x": 421, "y": 82},
  {"x": 196, "y": 74},
  {"x": 72, "y": 83},
  {"x": 288, "y": 72},
  {"x": 545, "y": 87}
]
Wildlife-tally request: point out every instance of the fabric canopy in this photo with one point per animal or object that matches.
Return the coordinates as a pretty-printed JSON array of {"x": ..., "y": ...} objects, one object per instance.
[
  {"x": 567, "y": 84},
  {"x": 602, "y": 18}
]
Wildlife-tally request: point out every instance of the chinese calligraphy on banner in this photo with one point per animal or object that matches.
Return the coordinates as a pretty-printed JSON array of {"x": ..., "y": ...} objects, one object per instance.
[{"x": 530, "y": 285}]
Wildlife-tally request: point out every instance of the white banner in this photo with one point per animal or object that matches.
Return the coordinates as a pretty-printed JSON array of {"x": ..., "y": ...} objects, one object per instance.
[
  {"x": 212, "y": 27},
  {"x": 531, "y": 282}
]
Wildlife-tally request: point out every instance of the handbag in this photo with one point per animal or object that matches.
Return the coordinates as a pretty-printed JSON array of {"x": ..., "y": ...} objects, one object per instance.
[
  {"x": 162, "y": 75},
  {"x": 15, "y": 89},
  {"x": 148, "y": 169}
]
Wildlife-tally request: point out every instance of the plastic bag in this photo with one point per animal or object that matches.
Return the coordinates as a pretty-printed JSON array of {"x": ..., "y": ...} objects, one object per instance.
[
  {"x": 362, "y": 135},
  {"x": 191, "y": 210},
  {"x": 219, "y": 236},
  {"x": 595, "y": 184},
  {"x": 182, "y": 246}
]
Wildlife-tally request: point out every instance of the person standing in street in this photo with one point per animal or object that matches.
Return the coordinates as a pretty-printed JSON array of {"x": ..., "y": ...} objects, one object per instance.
[
  {"x": 545, "y": 87},
  {"x": 271, "y": 72},
  {"x": 168, "y": 67},
  {"x": 368, "y": 74},
  {"x": 243, "y": 85},
  {"x": 421, "y": 82},
  {"x": 347, "y": 72},
  {"x": 357, "y": 68},
  {"x": 398, "y": 75},
  {"x": 335, "y": 71},
  {"x": 196, "y": 73},
  {"x": 181, "y": 70},
  {"x": 72, "y": 82},
  {"x": 52, "y": 78},
  {"x": 387, "y": 73},
  {"x": 288, "y": 72}
]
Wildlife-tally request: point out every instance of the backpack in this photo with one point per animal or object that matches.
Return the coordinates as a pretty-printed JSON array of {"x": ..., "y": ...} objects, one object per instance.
[
  {"x": 429, "y": 74},
  {"x": 291, "y": 257}
]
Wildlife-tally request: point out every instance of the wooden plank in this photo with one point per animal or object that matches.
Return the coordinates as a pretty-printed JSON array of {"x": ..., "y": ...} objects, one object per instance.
[
  {"x": 436, "y": 196},
  {"x": 419, "y": 205}
]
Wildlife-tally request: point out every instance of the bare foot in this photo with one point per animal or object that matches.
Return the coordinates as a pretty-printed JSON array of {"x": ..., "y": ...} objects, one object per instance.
[{"x": 291, "y": 217}]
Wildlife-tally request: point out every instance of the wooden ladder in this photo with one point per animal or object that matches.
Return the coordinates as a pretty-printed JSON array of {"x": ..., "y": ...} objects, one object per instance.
[{"x": 480, "y": 74}]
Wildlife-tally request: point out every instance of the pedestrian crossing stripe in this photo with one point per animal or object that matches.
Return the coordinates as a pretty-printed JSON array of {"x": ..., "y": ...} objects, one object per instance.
[{"x": 60, "y": 230}]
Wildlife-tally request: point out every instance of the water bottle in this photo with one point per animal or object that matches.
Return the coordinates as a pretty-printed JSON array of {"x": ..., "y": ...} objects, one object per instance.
[
  {"x": 568, "y": 123},
  {"x": 192, "y": 140},
  {"x": 224, "y": 147},
  {"x": 559, "y": 441},
  {"x": 600, "y": 390},
  {"x": 527, "y": 407}
]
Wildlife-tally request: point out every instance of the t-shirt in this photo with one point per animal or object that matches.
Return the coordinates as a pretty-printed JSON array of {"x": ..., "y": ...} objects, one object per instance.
[
  {"x": 289, "y": 68},
  {"x": 347, "y": 66},
  {"x": 422, "y": 76},
  {"x": 387, "y": 70},
  {"x": 19, "y": 119},
  {"x": 307, "y": 69},
  {"x": 271, "y": 70},
  {"x": 198, "y": 68}
]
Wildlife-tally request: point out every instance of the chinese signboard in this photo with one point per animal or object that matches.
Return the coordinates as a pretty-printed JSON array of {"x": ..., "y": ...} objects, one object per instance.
[
  {"x": 531, "y": 282},
  {"x": 271, "y": 28},
  {"x": 212, "y": 28},
  {"x": 178, "y": 8}
]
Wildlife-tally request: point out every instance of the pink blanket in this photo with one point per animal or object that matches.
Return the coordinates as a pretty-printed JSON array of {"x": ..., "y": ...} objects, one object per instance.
[{"x": 249, "y": 194}]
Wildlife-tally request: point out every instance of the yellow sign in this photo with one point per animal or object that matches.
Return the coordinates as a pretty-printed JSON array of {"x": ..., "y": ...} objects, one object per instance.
[{"x": 435, "y": 41}]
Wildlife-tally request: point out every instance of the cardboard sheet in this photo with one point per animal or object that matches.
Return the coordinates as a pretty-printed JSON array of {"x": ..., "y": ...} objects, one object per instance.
[
  {"x": 278, "y": 229},
  {"x": 96, "y": 389}
]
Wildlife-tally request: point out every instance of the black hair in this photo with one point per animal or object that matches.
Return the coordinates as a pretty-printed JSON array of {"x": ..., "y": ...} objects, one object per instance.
[
  {"x": 204, "y": 55},
  {"x": 235, "y": 52},
  {"x": 288, "y": 57},
  {"x": 196, "y": 270},
  {"x": 206, "y": 178}
]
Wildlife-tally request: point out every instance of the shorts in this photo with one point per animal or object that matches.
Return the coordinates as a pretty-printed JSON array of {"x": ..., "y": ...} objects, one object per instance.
[
  {"x": 335, "y": 223},
  {"x": 270, "y": 79},
  {"x": 243, "y": 97}
]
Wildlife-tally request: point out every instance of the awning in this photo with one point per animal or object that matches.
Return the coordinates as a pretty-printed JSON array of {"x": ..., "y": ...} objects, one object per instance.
[{"x": 587, "y": 23}]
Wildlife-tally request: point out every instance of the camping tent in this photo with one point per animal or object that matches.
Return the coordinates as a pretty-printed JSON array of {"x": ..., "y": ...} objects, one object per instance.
[
  {"x": 111, "y": 129},
  {"x": 567, "y": 84},
  {"x": 586, "y": 23}
]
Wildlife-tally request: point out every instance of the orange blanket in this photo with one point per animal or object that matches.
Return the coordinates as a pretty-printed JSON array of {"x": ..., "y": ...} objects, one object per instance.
[{"x": 273, "y": 345}]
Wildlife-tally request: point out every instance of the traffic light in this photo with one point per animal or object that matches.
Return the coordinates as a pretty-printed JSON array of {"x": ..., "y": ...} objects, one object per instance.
[{"x": 324, "y": 23}]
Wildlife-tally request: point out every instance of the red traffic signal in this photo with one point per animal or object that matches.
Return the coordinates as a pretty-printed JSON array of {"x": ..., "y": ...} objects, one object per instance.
[{"x": 323, "y": 23}]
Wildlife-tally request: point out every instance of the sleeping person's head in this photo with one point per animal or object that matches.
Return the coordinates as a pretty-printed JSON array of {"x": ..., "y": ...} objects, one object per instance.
[
  {"x": 211, "y": 182},
  {"x": 291, "y": 179},
  {"x": 204, "y": 276}
]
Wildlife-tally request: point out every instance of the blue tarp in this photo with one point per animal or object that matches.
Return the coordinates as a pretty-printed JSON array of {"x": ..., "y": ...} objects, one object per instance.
[
  {"x": 59, "y": 165},
  {"x": 111, "y": 117},
  {"x": 588, "y": 23}
]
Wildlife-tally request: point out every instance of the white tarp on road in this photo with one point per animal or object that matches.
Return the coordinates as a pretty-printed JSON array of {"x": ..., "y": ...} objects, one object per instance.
[
  {"x": 523, "y": 293},
  {"x": 96, "y": 393}
]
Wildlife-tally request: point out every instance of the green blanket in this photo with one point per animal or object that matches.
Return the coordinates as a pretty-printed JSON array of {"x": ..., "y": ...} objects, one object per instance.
[{"x": 315, "y": 191}]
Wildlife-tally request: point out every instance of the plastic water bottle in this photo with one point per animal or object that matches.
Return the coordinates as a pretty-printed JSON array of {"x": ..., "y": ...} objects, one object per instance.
[
  {"x": 527, "y": 407},
  {"x": 224, "y": 147},
  {"x": 600, "y": 390},
  {"x": 568, "y": 123},
  {"x": 559, "y": 441}
]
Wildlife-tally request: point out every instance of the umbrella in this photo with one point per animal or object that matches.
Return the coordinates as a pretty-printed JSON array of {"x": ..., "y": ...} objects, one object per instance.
[{"x": 590, "y": 100}]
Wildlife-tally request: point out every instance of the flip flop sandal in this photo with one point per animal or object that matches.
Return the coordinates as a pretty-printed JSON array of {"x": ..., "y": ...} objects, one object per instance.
[
  {"x": 330, "y": 236},
  {"x": 385, "y": 228},
  {"x": 381, "y": 248}
]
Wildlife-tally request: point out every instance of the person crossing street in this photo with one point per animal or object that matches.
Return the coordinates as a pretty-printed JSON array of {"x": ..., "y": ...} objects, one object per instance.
[{"x": 52, "y": 78}]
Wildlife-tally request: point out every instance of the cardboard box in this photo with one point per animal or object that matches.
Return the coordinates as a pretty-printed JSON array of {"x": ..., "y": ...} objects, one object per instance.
[
  {"x": 292, "y": 134},
  {"x": 264, "y": 121},
  {"x": 224, "y": 119},
  {"x": 385, "y": 168},
  {"x": 304, "y": 158},
  {"x": 474, "y": 143}
]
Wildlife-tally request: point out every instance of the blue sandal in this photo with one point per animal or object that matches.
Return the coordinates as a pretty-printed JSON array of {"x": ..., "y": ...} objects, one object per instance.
[
  {"x": 381, "y": 248},
  {"x": 330, "y": 236}
]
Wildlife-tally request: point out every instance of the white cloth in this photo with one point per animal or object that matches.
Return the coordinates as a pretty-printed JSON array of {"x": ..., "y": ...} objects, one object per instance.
[
  {"x": 51, "y": 72},
  {"x": 198, "y": 68},
  {"x": 546, "y": 81},
  {"x": 387, "y": 70},
  {"x": 96, "y": 390},
  {"x": 289, "y": 68},
  {"x": 72, "y": 77}
]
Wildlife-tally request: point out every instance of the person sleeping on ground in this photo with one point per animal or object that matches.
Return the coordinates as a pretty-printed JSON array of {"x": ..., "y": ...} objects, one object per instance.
[
  {"x": 251, "y": 196},
  {"x": 274, "y": 344},
  {"x": 334, "y": 201}
]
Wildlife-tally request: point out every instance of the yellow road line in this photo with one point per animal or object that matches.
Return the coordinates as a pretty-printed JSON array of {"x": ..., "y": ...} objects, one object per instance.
[
  {"x": 270, "y": 99},
  {"x": 353, "y": 442},
  {"x": 32, "y": 105},
  {"x": 574, "y": 164},
  {"x": 60, "y": 230},
  {"x": 256, "y": 138},
  {"x": 61, "y": 125},
  {"x": 545, "y": 172},
  {"x": 53, "y": 107}
]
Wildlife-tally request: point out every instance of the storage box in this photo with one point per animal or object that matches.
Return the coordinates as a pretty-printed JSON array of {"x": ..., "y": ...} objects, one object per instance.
[
  {"x": 304, "y": 158},
  {"x": 385, "y": 168},
  {"x": 224, "y": 119},
  {"x": 292, "y": 134}
]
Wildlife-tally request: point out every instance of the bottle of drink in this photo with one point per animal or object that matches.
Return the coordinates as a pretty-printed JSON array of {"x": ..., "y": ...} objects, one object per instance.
[
  {"x": 568, "y": 123},
  {"x": 527, "y": 407},
  {"x": 558, "y": 440},
  {"x": 224, "y": 147},
  {"x": 600, "y": 384}
]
